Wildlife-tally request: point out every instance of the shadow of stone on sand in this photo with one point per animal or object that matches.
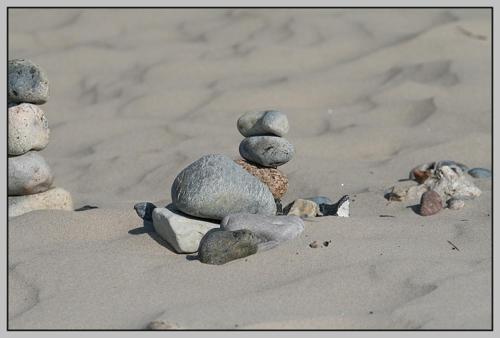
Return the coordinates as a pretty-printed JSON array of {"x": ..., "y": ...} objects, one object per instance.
[
  {"x": 415, "y": 208},
  {"x": 147, "y": 228}
]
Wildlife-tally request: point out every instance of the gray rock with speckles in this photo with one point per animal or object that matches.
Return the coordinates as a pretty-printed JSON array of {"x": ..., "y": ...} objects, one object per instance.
[
  {"x": 221, "y": 246},
  {"x": 215, "y": 186},
  {"x": 27, "y": 82},
  {"x": 271, "y": 230},
  {"x": 269, "y": 151},
  {"x": 28, "y": 129}
]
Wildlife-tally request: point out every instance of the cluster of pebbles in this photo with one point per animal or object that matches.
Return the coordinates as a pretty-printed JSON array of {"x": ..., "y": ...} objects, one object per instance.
[
  {"x": 30, "y": 177},
  {"x": 438, "y": 185},
  {"x": 226, "y": 209}
]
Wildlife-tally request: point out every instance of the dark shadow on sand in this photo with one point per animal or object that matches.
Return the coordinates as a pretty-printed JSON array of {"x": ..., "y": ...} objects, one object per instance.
[
  {"x": 147, "y": 228},
  {"x": 415, "y": 208}
]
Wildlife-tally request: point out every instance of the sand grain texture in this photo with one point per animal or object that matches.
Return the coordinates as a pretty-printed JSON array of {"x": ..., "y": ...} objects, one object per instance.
[{"x": 137, "y": 95}]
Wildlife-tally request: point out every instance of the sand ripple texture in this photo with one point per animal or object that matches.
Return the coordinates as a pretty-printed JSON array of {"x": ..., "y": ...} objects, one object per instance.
[{"x": 137, "y": 95}]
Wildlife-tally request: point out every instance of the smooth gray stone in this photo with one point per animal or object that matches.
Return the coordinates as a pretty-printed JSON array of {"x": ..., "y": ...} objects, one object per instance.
[
  {"x": 27, "y": 82},
  {"x": 28, "y": 129},
  {"x": 274, "y": 229},
  {"x": 220, "y": 246},
  {"x": 145, "y": 210},
  {"x": 215, "y": 186},
  {"x": 28, "y": 174},
  {"x": 263, "y": 123},
  {"x": 480, "y": 173},
  {"x": 319, "y": 200},
  {"x": 269, "y": 151}
]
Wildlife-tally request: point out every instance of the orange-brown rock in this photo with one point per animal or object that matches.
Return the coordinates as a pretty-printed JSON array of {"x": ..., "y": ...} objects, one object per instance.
[
  {"x": 272, "y": 177},
  {"x": 431, "y": 203}
]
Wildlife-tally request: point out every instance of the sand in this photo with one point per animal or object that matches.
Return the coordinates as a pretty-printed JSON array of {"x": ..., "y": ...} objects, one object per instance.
[{"x": 137, "y": 95}]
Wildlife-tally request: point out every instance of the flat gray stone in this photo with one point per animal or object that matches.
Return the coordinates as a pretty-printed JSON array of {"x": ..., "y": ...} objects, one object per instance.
[
  {"x": 263, "y": 123},
  {"x": 220, "y": 246},
  {"x": 55, "y": 198},
  {"x": 181, "y": 232},
  {"x": 28, "y": 129},
  {"x": 215, "y": 186},
  {"x": 268, "y": 151},
  {"x": 271, "y": 230},
  {"x": 27, "y": 82},
  {"x": 28, "y": 174},
  {"x": 480, "y": 173}
]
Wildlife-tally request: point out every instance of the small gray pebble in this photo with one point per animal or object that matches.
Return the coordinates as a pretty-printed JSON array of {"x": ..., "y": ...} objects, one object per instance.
[
  {"x": 145, "y": 210},
  {"x": 263, "y": 123},
  {"x": 269, "y": 151},
  {"x": 480, "y": 173},
  {"x": 27, "y": 82},
  {"x": 219, "y": 246}
]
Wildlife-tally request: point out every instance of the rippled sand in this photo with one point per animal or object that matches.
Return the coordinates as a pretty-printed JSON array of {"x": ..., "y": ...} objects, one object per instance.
[{"x": 136, "y": 95}]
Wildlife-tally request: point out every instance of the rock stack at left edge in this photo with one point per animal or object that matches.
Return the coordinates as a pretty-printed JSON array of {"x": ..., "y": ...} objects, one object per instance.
[{"x": 30, "y": 177}]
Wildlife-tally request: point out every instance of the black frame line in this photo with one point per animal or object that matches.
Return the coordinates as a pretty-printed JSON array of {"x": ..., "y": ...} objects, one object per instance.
[{"x": 269, "y": 7}]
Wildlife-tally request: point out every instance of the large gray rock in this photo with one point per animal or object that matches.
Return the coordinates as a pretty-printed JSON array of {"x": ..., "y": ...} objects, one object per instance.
[
  {"x": 271, "y": 230},
  {"x": 27, "y": 82},
  {"x": 55, "y": 198},
  {"x": 182, "y": 233},
  {"x": 269, "y": 151},
  {"x": 220, "y": 246},
  {"x": 28, "y": 174},
  {"x": 263, "y": 123},
  {"x": 28, "y": 129},
  {"x": 215, "y": 186}
]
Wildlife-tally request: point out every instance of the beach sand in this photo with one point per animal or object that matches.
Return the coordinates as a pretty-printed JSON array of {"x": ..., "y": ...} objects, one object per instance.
[{"x": 137, "y": 95}]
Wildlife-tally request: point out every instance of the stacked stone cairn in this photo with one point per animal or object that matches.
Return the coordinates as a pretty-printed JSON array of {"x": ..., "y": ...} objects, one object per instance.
[
  {"x": 30, "y": 177},
  {"x": 225, "y": 209}
]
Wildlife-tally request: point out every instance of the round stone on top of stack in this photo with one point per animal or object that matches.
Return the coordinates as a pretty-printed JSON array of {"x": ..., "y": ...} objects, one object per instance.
[
  {"x": 264, "y": 144},
  {"x": 263, "y": 123},
  {"x": 27, "y": 82}
]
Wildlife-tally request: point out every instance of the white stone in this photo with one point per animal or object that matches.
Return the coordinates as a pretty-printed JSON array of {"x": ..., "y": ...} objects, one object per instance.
[
  {"x": 343, "y": 209},
  {"x": 28, "y": 129},
  {"x": 455, "y": 203},
  {"x": 55, "y": 198},
  {"x": 449, "y": 183},
  {"x": 181, "y": 232}
]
